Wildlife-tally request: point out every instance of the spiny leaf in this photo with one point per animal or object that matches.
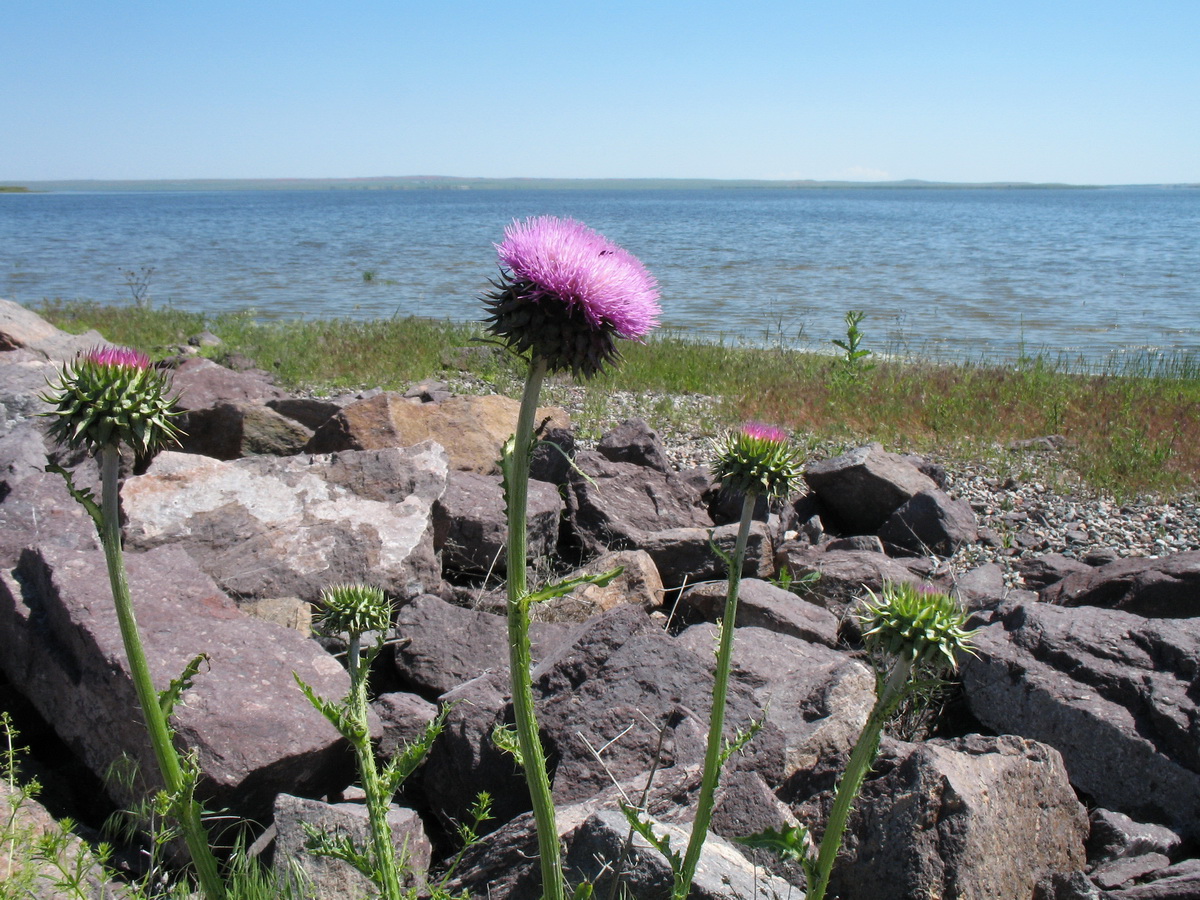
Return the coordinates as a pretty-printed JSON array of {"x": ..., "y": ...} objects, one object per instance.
[
  {"x": 569, "y": 584},
  {"x": 337, "y": 714},
  {"x": 170, "y": 697}
]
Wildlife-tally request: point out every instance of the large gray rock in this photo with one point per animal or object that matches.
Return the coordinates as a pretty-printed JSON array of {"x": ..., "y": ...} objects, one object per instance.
[
  {"x": 441, "y": 646},
  {"x": 972, "y": 817},
  {"x": 464, "y": 760},
  {"x": 633, "y": 441},
  {"x": 471, "y": 524},
  {"x": 202, "y": 384},
  {"x": 38, "y": 511},
  {"x": 860, "y": 489},
  {"x": 252, "y": 730},
  {"x": 268, "y": 527},
  {"x": 842, "y": 574},
  {"x": 816, "y": 699},
  {"x": 1168, "y": 587},
  {"x": 626, "y": 688},
  {"x": 723, "y": 872},
  {"x": 764, "y": 605},
  {"x": 1114, "y": 693},
  {"x": 685, "y": 555},
  {"x": 639, "y": 584},
  {"x": 231, "y": 430},
  {"x": 325, "y": 878},
  {"x": 504, "y": 866},
  {"x": 931, "y": 522},
  {"x": 611, "y": 505},
  {"x": 21, "y": 328}
]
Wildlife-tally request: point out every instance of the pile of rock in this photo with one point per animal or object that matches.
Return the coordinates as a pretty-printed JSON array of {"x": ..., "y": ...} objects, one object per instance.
[{"x": 1083, "y": 692}]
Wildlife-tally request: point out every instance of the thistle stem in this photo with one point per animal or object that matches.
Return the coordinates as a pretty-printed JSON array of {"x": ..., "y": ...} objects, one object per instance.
[
  {"x": 716, "y": 726},
  {"x": 861, "y": 758},
  {"x": 386, "y": 865},
  {"x": 520, "y": 653},
  {"x": 139, "y": 670}
]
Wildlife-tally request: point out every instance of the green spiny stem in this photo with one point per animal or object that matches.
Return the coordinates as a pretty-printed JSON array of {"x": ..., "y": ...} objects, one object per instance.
[
  {"x": 378, "y": 804},
  {"x": 861, "y": 759},
  {"x": 520, "y": 653},
  {"x": 716, "y": 726},
  {"x": 139, "y": 670}
]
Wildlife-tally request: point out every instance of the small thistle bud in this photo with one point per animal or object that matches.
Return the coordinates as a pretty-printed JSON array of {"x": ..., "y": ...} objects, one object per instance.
[
  {"x": 112, "y": 395},
  {"x": 757, "y": 460},
  {"x": 566, "y": 293},
  {"x": 354, "y": 609},
  {"x": 916, "y": 622}
]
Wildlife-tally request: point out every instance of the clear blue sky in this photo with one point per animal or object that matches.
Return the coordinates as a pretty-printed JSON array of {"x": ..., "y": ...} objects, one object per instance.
[{"x": 1079, "y": 91}]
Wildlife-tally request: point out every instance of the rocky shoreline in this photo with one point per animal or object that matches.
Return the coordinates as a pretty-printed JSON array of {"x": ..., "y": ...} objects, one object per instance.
[{"x": 1068, "y": 772}]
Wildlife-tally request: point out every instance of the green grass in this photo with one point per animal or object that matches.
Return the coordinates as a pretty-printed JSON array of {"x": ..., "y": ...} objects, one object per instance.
[{"x": 1132, "y": 429}]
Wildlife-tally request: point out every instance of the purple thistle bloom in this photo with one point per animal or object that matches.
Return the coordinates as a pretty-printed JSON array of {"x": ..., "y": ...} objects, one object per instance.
[
  {"x": 565, "y": 292},
  {"x": 118, "y": 356},
  {"x": 763, "y": 432},
  {"x": 566, "y": 260}
]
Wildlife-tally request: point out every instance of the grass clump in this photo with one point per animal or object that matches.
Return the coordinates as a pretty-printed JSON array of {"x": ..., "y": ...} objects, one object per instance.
[{"x": 1131, "y": 428}]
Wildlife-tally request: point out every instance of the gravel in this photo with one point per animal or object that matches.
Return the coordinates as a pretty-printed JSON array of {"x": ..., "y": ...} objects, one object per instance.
[{"x": 1026, "y": 499}]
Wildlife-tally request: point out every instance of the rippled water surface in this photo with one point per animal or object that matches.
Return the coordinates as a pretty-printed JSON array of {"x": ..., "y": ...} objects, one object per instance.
[{"x": 950, "y": 273}]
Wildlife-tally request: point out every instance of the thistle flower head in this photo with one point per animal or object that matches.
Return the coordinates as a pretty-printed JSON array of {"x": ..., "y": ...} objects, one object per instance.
[
  {"x": 565, "y": 293},
  {"x": 112, "y": 395},
  {"x": 354, "y": 609},
  {"x": 757, "y": 459},
  {"x": 916, "y": 622}
]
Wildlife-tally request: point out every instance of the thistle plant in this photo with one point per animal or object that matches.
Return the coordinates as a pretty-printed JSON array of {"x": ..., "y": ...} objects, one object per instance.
[
  {"x": 756, "y": 461},
  {"x": 914, "y": 634},
  {"x": 852, "y": 349},
  {"x": 105, "y": 398},
  {"x": 358, "y": 610},
  {"x": 564, "y": 295}
]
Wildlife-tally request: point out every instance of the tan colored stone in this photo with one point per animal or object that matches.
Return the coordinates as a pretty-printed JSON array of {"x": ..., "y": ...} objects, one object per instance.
[
  {"x": 638, "y": 585},
  {"x": 471, "y": 429}
]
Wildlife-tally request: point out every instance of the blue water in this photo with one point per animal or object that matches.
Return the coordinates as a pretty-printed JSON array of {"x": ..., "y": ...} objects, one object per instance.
[{"x": 944, "y": 273}]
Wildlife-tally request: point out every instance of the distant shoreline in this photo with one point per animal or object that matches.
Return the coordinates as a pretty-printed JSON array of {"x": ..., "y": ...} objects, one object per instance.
[{"x": 434, "y": 182}]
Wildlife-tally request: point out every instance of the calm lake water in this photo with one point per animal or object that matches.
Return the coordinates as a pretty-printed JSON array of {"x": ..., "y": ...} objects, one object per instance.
[{"x": 945, "y": 273}]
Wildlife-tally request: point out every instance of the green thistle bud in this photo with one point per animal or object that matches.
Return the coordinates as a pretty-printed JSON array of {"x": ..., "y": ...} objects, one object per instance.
[
  {"x": 354, "y": 609},
  {"x": 916, "y": 623},
  {"x": 109, "y": 396},
  {"x": 757, "y": 460}
]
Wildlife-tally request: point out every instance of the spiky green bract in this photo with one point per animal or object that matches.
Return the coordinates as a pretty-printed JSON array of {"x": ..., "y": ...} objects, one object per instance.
[
  {"x": 916, "y": 623},
  {"x": 354, "y": 609},
  {"x": 110, "y": 396},
  {"x": 758, "y": 460}
]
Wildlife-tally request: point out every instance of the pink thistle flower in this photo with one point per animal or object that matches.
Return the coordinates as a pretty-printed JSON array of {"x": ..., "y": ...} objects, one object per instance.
[
  {"x": 118, "y": 356},
  {"x": 565, "y": 292},
  {"x": 762, "y": 432}
]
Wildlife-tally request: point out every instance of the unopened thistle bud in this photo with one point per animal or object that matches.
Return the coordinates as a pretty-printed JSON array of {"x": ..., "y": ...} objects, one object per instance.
[
  {"x": 917, "y": 623},
  {"x": 759, "y": 460},
  {"x": 110, "y": 396},
  {"x": 566, "y": 293},
  {"x": 354, "y": 609}
]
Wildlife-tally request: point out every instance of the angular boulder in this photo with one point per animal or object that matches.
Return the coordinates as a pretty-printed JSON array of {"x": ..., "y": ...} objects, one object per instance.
[
  {"x": 472, "y": 429},
  {"x": 970, "y": 817},
  {"x": 1114, "y": 693},
  {"x": 612, "y": 505},
  {"x": 862, "y": 488},
  {"x": 440, "y": 646},
  {"x": 252, "y": 730},
  {"x": 931, "y": 522},
  {"x": 764, "y": 605},
  {"x": 21, "y": 328},
  {"x": 1168, "y": 587},
  {"x": 274, "y": 527},
  {"x": 471, "y": 524}
]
